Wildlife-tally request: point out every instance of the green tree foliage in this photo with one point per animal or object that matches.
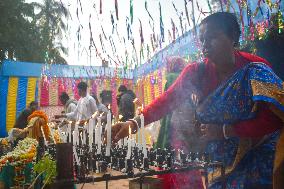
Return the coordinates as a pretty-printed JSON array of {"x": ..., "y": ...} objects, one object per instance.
[
  {"x": 26, "y": 36},
  {"x": 51, "y": 20}
]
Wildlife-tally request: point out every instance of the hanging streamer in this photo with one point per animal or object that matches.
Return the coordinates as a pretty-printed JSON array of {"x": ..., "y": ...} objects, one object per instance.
[
  {"x": 11, "y": 103},
  {"x": 129, "y": 32},
  {"x": 31, "y": 89},
  {"x": 4, "y": 85},
  {"x": 173, "y": 29},
  {"x": 161, "y": 24},
  {"x": 186, "y": 12},
  {"x": 209, "y": 6},
  {"x": 21, "y": 96},
  {"x": 131, "y": 11},
  {"x": 102, "y": 44},
  {"x": 146, "y": 7},
  {"x": 112, "y": 22},
  {"x": 141, "y": 33},
  {"x": 101, "y": 7},
  {"x": 116, "y": 9},
  {"x": 170, "y": 36}
]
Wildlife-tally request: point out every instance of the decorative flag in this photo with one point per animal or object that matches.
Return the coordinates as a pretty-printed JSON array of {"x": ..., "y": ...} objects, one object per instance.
[
  {"x": 131, "y": 11},
  {"x": 186, "y": 12},
  {"x": 209, "y": 6},
  {"x": 161, "y": 24},
  {"x": 173, "y": 29},
  {"x": 116, "y": 8},
  {"x": 101, "y": 7},
  {"x": 146, "y": 7},
  {"x": 141, "y": 33}
]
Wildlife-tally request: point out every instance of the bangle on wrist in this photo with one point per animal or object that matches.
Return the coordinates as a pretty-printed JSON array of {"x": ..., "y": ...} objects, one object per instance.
[{"x": 224, "y": 132}]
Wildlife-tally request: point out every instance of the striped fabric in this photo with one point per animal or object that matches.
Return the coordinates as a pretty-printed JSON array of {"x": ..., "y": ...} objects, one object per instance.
[{"x": 11, "y": 103}]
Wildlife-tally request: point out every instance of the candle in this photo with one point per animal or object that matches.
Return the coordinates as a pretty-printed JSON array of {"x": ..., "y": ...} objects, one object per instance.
[
  {"x": 84, "y": 136},
  {"x": 120, "y": 143},
  {"x": 139, "y": 139},
  {"x": 108, "y": 127},
  {"x": 91, "y": 130},
  {"x": 45, "y": 142},
  {"x": 74, "y": 138},
  {"x": 76, "y": 133},
  {"x": 129, "y": 145},
  {"x": 143, "y": 136},
  {"x": 125, "y": 142},
  {"x": 76, "y": 155},
  {"x": 99, "y": 135},
  {"x": 69, "y": 130},
  {"x": 81, "y": 136}
]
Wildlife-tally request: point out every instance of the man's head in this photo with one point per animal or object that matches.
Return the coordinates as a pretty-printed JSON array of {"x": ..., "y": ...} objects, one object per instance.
[
  {"x": 121, "y": 90},
  {"x": 33, "y": 106},
  {"x": 219, "y": 34},
  {"x": 64, "y": 97},
  {"x": 82, "y": 88}
]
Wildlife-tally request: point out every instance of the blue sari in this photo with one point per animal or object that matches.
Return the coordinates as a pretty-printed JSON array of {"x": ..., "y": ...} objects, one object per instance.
[{"x": 246, "y": 166}]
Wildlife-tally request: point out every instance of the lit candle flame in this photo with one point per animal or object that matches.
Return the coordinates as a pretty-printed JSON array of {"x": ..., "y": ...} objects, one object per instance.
[
  {"x": 95, "y": 114},
  {"x": 135, "y": 100},
  {"x": 108, "y": 106}
]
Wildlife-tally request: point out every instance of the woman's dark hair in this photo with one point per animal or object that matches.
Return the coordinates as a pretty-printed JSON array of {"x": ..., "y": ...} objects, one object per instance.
[
  {"x": 227, "y": 23},
  {"x": 82, "y": 85}
]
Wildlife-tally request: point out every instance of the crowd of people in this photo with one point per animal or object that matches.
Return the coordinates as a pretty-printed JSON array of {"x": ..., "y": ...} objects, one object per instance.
[{"x": 231, "y": 106}]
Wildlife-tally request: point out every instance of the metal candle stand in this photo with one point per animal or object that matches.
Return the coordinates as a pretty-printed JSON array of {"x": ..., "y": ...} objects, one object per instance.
[{"x": 169, "y": 161}]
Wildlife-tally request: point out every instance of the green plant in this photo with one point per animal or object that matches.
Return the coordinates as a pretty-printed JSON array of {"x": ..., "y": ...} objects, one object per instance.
[{"x": 46, "y": 167}]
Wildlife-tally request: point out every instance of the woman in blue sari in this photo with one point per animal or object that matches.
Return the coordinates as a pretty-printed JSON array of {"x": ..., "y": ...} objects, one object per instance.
[{"x": 240, "y": 109}]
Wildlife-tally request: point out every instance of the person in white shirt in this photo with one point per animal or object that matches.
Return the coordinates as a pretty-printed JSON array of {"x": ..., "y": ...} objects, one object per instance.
[
  {"x": 69, "y": 104},
  {"x": 85, "y": 108}
]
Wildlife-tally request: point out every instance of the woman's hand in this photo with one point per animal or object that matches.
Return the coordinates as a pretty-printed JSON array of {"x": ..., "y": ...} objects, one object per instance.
[
  {"x": 215, "y": 132},
  {"x": 121, "y": 130},
  {"x": 211, "y": 132}
]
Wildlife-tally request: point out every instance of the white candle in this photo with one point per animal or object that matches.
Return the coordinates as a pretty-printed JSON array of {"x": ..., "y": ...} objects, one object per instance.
[
  {"x": 69, "y": 130},
  {"x": 76, "y": 155},
  {"x": 120, "y": 143},
  {"x": 74, "y": 138},
  {"x": 76, "y": 133},
  {"x": 99, "y": 140},
  {"x": 143, "y": 136},
  {"x": 139, "y": 139},
  {"x": 84, "y": 136},
  {"x": 108, "y": 127},
  {"x": 91, "y": 130},
  {"x": 125, "y": 142},
  {"x": 45, "y": 142},
  {"x": 129, "y": 145}
]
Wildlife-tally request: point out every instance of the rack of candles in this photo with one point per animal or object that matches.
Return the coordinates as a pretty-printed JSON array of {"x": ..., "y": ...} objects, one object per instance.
[
  {"x": 129, "y": 156},
  {"x": 89, "y": 161}
]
